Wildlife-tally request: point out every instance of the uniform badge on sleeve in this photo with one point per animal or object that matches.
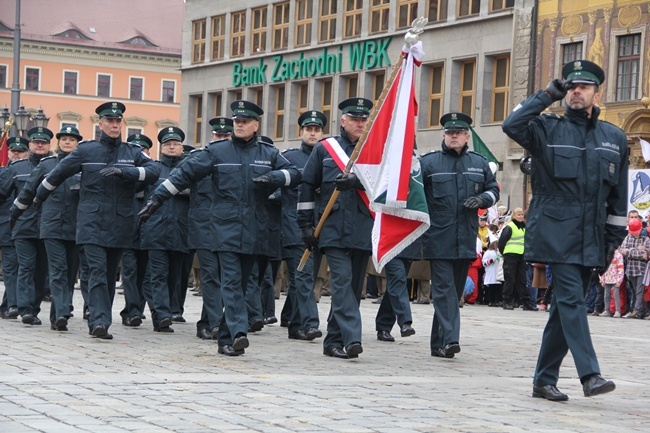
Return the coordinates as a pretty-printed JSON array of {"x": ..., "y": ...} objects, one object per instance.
[{"x": 612, "y": 168}]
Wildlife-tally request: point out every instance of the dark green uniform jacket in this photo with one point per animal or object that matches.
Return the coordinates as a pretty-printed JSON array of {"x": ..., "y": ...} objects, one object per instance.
[{"x": 579, "y": 181}]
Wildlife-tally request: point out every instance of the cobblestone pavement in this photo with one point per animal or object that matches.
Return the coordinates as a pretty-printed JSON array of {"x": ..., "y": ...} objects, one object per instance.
[{"x": 149, "y": 382}]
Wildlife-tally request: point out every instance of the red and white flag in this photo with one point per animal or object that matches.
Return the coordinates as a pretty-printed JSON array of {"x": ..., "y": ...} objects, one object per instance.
[{"x": 389, "y": 169}]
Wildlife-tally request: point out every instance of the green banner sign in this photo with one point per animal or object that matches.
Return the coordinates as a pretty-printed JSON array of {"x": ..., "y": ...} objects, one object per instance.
[{"x": 361, "y": 55}]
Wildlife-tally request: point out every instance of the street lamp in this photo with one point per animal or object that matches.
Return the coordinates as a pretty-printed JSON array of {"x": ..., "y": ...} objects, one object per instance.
[
  {"x": 40, "y": 119},
  {"x": 22, "y": 118},
  {"x": 4, "y": 118}
]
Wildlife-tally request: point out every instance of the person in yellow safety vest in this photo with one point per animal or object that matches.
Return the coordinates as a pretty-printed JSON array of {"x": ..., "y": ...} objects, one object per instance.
[{"x": 511, "y": 245}]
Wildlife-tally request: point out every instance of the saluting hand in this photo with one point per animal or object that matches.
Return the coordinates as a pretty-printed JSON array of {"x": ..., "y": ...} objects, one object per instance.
[{"x": 557, "y": 89}]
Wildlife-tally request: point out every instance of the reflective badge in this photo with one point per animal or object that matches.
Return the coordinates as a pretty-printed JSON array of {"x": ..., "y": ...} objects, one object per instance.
[{"x": 612, "y": 168}]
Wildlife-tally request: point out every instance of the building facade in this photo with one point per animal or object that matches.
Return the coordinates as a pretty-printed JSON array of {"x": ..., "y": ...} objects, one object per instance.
[
  {"x": 615, "y": 35},
  {"x": 73, "y": 57},
  {"x": 291, "y": 56}
]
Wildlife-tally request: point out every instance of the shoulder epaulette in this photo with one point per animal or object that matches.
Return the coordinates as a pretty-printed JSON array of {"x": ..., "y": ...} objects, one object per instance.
[
  {"x": 266, "y": 144},
  {"x": 552, "y": 116},
  {"x": 47, "y": 157},
  {"x": 291, "y": 149},
  {"x": 431, "y": 152},
  {"x": 477, "y": 154},
  {"x": 20, "y": 160},
  {"x": 83, "y": 142},
  {"x": 217, "y": 141}
]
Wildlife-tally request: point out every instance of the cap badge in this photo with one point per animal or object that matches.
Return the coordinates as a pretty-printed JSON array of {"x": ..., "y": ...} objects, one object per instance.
[
  {"x": 360, "y": 102},
  {"x": 313, "y": 114},
  {"x": 454, "y": 116},
  {"x": 577, "y": 65},
  {"x": 170, "y": 129},
  {"x": 68, "y": 129},
  {"x": 114, "y": 105},
  {"x": 222, "y": 121},
  {"x": 40, "y": 129},
  {"x": 137, "y": 136},
  {"x": 241, "y": 104}
]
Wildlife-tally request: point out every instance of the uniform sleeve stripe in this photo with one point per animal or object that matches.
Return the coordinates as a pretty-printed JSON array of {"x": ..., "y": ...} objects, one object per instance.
[
  {"x": 306, "y": 205},
  {"x": 48, "y": 185},
  {"x": 170, "y": 187},
  {"x": 617, "y": 220},
  {"x": 19, "y": 205},
  {"x": 494, "y": 199},
  {"x": 287, "y": 177},
  {"x": 142, "y": 172}
]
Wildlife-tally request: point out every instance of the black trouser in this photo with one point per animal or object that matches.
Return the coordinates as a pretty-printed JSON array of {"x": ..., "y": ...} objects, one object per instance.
[
  {"x": 134, "y": 270},
  {"x": 32, "y": 273},
  {"x": 177, "y": 297},
  {"x": 212, "y": 310},
  {"x": 10, "y": 277},
  {"x": 63, "y": 264},
  {"x": 165, "y": 276},
  {"x": 300, "y": 294},
  {"x": 447, "y": 284},
  {"x": 102, "y": 268},
  {"x": 514, "y": 275},
  {"x": 235, "y": 274},
  {"x": 395, "y": 302}
]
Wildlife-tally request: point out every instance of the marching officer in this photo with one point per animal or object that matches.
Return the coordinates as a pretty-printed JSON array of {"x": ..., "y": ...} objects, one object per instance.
[
  {"x": 300, "y": 297},
  {"x": 457, "y": 181},
  {"x": 30, "y": 250},
  {"x": 200, "y": 239},
  {"x": 58, "y": 226},
  {"x": 222, "y": 128},
  {"x": 109, "y": 170},
  {"x": 577, "y": 217},
  {"x": 18, "y": 149},
  {"x": 244, "y": 172},
  {"x": 164, "y": 236},
  {"x": 135, "y": 260},
  {"x": 345, "y": 237}
]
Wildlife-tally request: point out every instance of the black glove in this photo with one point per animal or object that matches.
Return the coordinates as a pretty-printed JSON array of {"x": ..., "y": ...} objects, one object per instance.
[
  {"x": 346, "y": 183},
  {"x": 475, "y": 203},
  {"x": 262, "y": 180},
  {"x": 610, "y": 249},
  {"x": 149, "y": 209},
  {"x": 111, "y": 171},
  {"x": 311, "y": 241},
  {"x": 557, "y": 89},
  {"x": 14, "y": 214},
  {"x": 37, "y": 202}
]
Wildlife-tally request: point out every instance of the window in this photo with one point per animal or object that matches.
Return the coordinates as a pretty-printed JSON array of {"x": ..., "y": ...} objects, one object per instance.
[
  {"x": 571, "y": 52},
  {"x": 407, "y": 11},
  {"x": 379, "y": 16},
  {"x": 304, "y": 12},
  {"x": 70, "y": 79},
  {"x": 238, "y": 33},
  {"x": 73, "y": 34},
  {"x": 3, "y": 76},
  {"x": 217, "y": 103},
  {"x": 279, "y": 112},
  {"x": 198, "y": 117},
  {"x": 66, "y": 124},
  {"x": 302, "y": 89},
  {"x": 256, "y": 95},
  {"x": 133, "y": 130},
  {"x": 351, "y": 86},
  {"x": 168, "y": 90},
  {"x": 281, "y": 26},
  {"x": 104, "y": 85},
  {"x": 259, "y": 30},
  {"x": 627, "y": 67},
  {"x": 435, "y": 94},
  {"x": 198, "y": 41},
  {"x": 352, "y": 18},
  {"x": 500, "y": 86},
  {"x": 437, "y": 10},
  {"x": 378, "y": 80},
  {"x": 136, "y": 88},
  {"x": 468, "y": 7},
  {"x": 467, "y": 87},
  {"x": 326, "y": 102},
  {"x": 218, "y": 37},
  {"x": 502, "y": 4},
  {"x": 234, "y": 95},
  {"x": 32, "y": 78},
  {"x": 139, "y": 41},
  {"x": 327, "y": 20}
]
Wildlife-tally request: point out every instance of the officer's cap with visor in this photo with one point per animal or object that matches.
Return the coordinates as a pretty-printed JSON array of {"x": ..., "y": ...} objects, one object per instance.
[
  {"x": 171, "y": 133},
  {"x": 356, "y": 107},
  {"x": 111, "y": 110},
  {"x": 221, "y": 125},
  {"x": 18, "y": 144},
  {"x": 245, "y": 110},
  {"x": 141, "y": 140},
  {"x": 312, "y": 118},
  {"x": 455, "y": 122},
  {"x": 40, "y": 133},
  {"x": 583, "y": 71},
  {"x": 70, "y": 131}
]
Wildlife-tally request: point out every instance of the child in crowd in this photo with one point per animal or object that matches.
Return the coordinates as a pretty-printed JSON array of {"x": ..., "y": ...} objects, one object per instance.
[
  {"x": 612, "y": 279},
  {"x": 635, "y": 249},
  {"x": 491, "y": 260}
]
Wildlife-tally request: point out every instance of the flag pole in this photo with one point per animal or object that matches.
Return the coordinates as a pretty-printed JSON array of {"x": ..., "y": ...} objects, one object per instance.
[{"x": 411, "y": 37}]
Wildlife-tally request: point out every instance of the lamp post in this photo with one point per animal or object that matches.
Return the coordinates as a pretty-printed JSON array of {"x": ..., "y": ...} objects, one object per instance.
[
  {"x": 40, "y": 119},
  {"x": 21, "y": 119},
  {"x": 15, "y": 88}
]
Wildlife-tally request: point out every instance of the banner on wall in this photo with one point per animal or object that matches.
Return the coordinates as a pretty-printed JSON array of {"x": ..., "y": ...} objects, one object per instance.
[{"x": 638, "y": 191}]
